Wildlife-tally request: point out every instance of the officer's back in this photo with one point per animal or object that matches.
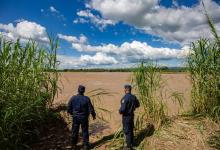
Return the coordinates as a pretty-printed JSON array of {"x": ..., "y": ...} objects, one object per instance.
[{"x": 80, "y": 105}]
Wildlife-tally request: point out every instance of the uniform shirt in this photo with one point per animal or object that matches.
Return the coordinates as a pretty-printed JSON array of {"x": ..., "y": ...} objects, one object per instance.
[
  {"x": 128, "y": 104},
  {"x": 81, "y": 105}
]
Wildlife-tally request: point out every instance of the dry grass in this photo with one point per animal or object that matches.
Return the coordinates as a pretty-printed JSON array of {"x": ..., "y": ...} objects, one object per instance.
[{"x": 184, "y": 133}]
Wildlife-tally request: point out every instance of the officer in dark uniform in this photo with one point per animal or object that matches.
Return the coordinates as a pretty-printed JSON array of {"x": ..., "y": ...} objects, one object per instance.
[
  {"x": 128, "y": 105},
  {"x": 80, "y": 107}
]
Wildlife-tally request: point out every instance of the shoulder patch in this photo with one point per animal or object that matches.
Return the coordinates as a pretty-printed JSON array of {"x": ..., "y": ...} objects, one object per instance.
[{"x": 122, "y": 101}]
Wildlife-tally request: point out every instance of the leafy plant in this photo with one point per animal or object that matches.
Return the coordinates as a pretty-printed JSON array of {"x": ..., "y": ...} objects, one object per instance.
[
  {"x": 204, "y": 68},
  {"x": 28, "y": 83},
  {"x": 147, "y": 82}
]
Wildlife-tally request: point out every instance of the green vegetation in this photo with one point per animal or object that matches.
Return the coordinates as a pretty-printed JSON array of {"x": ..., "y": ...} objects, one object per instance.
[
  {"x": 204, "y": 68},
  {"x": 162, "y": 69},
  {"x": 28, "y": 84},
  {"x": 147, "y": 82}
]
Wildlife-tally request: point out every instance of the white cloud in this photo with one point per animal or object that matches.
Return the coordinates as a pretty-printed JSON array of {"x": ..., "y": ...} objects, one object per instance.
[
  {"x": 178, "y": 24},
  {"x": 56, "y": 13},
  {"x": 19, "y": 20},
  {"x": 67, "y": 62},
  {"x": 24, "y": 30},
  {"x": 80, "y": 20},
  {"x": 133, "y": 51},
  {"x": 99, "y": 59},
  {"x": 53, "y": 9},
  {"x": 7, "y": 27},
  {"x": 95, "y": 19},
  {"x": 126, "y": 53},
  {"x": 73, "y": 39}
]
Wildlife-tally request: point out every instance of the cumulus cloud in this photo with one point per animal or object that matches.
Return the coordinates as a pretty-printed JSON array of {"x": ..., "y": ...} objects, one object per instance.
[
  {"x": 99, "y": 59},
  {"x": 24, "y": 30},
  {"x": 95, "y": 19},
  {"x": 126, "y": 53},
  {"x": 19, "y": 20},
  {"x": 178, "y": 24},
  {"x": 133, "y": 51},
  {"x": 73, "y": 39},
  {"x": 53, "y": 9},
  {"x": 67, "y": 62},
  {"x": 80, "y": 20}
]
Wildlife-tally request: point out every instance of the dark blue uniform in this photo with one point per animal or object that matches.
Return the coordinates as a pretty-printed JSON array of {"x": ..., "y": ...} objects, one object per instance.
[
  {"x": 80, "y": 107},
  {"x": 128, "y": 105}
]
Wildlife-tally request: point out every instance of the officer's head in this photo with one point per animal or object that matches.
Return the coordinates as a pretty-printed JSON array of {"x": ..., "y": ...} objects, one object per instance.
[
  {"x": 127, "y": 88},
  {"x": 81, "y": 89}
]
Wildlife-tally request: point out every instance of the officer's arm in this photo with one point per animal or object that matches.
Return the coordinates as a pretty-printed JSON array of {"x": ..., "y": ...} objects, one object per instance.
[
  {"x": 137, "y": 102},
  {"x": 92, "y": 110},
  {"x": 70, "y": 107},
  {"x": 123, "y": 106}
]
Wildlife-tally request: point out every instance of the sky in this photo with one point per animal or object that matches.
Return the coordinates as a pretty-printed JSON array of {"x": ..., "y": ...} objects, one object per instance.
[{"x": 111, "y": 33}]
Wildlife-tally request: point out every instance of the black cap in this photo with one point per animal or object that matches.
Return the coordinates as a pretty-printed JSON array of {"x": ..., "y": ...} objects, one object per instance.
[
  {"x": 127, "y": 86},
  {"x": 81, "y": 89}
]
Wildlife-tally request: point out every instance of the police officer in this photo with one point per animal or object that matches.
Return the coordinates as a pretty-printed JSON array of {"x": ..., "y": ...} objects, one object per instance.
[
  {"x": 128, "y": 105},
  {"x": 80, "y": 107}
]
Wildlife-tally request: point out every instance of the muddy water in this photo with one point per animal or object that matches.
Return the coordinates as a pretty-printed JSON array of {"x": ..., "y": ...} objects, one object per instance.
[{"x": 114, "y": 81}]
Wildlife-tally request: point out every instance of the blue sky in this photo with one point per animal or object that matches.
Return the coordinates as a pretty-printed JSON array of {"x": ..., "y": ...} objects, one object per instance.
[{"x": 111, "y": 33}]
